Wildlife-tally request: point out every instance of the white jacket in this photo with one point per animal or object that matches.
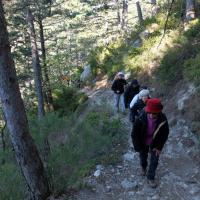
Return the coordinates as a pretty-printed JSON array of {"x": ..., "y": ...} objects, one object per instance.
[{"x": 134, "y": 100}]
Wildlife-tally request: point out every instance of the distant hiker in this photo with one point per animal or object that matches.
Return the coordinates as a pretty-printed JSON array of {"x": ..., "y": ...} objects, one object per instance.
[
  {"x": 149, "y": 134},
  {"x": 118, "y": 88},
  {"x": 130, "y": 92},
  {"x": 139, "y": 104}
]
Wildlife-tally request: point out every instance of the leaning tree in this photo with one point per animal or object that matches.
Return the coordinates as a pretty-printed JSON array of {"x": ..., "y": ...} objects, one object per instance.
[{"x": 25, "y": 150}]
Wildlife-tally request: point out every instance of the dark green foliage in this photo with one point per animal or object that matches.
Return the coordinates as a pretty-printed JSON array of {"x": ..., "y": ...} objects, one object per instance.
[
  {"x": 75, "y": 147},
  {"x": 120, "y": 54},
  {"x": 149, "y": 21},
  {"x": 109, "y": 59},
  {"x": 66, "y": 100},
  {"x": 11, "y": 183},
  {"x": 182, "y": 61},
  {"x": 191, "y": 69},
  {"x": 92, "y": 141},
  {"x": 170, "y": 67},
  {"x": 193, "y": 32},
  {"x": 51, "y": 123}
]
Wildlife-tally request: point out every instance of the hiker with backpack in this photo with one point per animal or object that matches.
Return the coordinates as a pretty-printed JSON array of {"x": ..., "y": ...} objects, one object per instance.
[
  {"x": 118, "y": 88},
  {"x": 149, "y": 134},
  {"x": 139, "y": 104},
  {"x": 136, "y": 97}
]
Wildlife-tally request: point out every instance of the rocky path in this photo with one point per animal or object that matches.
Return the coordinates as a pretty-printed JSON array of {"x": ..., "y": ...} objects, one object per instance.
[{"x": 178, "y": 172}]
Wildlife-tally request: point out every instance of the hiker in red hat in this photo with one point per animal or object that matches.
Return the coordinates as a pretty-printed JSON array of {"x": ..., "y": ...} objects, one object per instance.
[{"x": 149, "y": 134}]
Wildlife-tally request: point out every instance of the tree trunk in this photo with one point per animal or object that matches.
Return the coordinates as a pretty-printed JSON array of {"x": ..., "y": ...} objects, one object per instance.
[
  {"x": 77, "y": 55},
  {"x": 36, "y": 65},
  {"x": 154, "y": 8},
  {"x": 47, "y": 86},
  {"x": 190, "y": 11},
  {"x": 139, "y": 11},
  {"x": 124, "y": 14},
  {"x": 153, "y": 2},
  {"x": 25, "y": 150},
  {"x": 118, "y": 12}
]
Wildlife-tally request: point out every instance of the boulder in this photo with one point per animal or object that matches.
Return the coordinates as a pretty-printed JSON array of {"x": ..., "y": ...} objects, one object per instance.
[{"x": 86, "y": 74}]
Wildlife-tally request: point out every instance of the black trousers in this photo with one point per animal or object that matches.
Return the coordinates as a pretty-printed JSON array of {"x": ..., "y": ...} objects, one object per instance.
[{"x": 153, "y": 162}]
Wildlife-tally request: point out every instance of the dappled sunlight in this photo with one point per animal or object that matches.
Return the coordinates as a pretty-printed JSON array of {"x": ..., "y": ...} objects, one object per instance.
[
  {"x": 103, "y": 83},
  {"x": 66, "y": 57}
]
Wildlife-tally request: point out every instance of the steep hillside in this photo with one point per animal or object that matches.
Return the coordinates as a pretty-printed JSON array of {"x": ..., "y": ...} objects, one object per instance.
[
  {"x": 179, "y": 168},
  {"x": 170, "y": 70},
  {"x": 84, "y": 144}
]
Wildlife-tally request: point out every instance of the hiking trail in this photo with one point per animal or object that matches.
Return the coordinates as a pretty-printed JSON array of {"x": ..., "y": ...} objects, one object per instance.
[{"x": 177, "y": 175}]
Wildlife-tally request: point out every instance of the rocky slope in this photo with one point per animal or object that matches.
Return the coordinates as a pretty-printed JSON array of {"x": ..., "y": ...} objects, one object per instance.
[{"x": 178, "y": 172}]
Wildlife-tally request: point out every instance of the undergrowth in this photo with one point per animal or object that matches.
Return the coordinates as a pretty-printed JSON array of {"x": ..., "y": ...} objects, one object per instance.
[{"x": 74, "y": 147}]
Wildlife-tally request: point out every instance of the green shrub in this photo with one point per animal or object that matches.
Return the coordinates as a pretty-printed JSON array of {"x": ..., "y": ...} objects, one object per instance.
[
  {"x": 174, "y": 19},
  {"x": 12, "y": 186},
  {"x": 170, "y": 67},
  {"x": 192, "y": 70},
  {"x": 41, "y": 129},
  {"x": 179, "y": 61},
  {"x": 91, "y": 141},
  {"x": 66, "y": 100},
  {"x": 94, "y": 139},
  {"x": 149, "y": 21},
  {"x": 108, "y": 59},
  {"x": 193, "y": 31}
]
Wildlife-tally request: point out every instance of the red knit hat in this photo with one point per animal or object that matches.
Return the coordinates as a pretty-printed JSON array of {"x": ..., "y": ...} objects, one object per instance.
[{"x": 153, "y": 106}]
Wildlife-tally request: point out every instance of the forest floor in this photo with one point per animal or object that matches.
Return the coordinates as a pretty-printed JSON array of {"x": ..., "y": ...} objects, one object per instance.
[{"x": 178, "y": 172}]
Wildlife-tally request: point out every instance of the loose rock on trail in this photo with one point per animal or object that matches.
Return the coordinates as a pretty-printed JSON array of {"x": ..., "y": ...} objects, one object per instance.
[{"x": 178, "y": 172}]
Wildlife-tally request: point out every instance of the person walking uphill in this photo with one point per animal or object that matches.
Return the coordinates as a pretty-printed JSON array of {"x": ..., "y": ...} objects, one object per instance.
[
  {"x": 149, "y": 134},
  {"x": 130, "y": 92},
  {"x": 118, "y": 88},
  {"x": 140, "y": 103}
]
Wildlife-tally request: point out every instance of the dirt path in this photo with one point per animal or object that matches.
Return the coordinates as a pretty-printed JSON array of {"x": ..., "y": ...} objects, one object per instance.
[{"x": 178, "y": 172}]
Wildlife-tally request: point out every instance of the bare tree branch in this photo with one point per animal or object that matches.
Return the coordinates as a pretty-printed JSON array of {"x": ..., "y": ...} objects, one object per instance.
[{"x": 165, "y": 27}]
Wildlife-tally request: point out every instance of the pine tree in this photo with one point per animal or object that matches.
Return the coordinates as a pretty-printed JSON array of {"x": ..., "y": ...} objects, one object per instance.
[{"x": 26, "y": 152}]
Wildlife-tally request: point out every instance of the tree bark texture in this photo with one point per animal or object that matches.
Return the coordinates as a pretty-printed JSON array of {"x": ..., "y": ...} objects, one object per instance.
[
  {"x": 139, "y": 11},
  {"x": 47, "y": 85},
  {"x": 190, "y": 11},
  {"x": 25, "y": 150},
  {"x": 124, "y": 14},
  {"x": 36, "y": 65},
  {"x": 118, "y": 12}
]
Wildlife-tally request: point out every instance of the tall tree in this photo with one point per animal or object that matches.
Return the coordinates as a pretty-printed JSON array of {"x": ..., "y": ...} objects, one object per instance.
[
  {"x": 25, "y": 150},
  {"x": 43, "y": 10},
  {"x": 118, "y": 12},
  {"x": 36, "y": 64},
  {"x": 47, "y": 85},
  {"x": 124, "y": 14},
  {"x": 139, "y": 11}
]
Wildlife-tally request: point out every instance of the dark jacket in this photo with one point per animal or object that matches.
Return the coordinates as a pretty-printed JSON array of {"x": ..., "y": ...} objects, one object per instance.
[
  {"x": 118, "y": 86},
  {"x": 129, "y": 93},
  {"x": 136, "y": 109},
  {"x": 139, "y": 132}
]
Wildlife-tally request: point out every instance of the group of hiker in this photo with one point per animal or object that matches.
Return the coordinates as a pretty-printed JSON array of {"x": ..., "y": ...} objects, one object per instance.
[{"x": 149, "y": 124}]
